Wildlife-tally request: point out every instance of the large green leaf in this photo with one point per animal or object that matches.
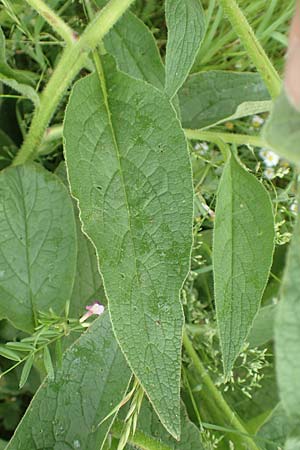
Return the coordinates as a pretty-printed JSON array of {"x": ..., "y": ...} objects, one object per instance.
[
  {"x": 149, "y": 425},
  {"x": 262, "y": 330},
  {"x": 242, "y": 255},
  {"x": 64, "y": 413},
  {"x": 134, "y": 49},
  {"x": 37, "y": 244},
  {"x": 129, "y": 168},
  {"x": 88, "y": 284},
  {"x": 287, "y": 331},
  {"x": 293, "y": 442},
  {"x": 282, "y": 131},
  {"x": 186, "y": 29},
  {"x": 208, "y": 98},
  {"x": 275, "y": 430}
]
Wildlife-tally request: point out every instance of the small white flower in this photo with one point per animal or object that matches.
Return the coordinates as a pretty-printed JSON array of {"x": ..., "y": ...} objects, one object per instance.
[
  {"x": 269, "y": 158},
  {"x": 204, "y": 146},
  {"x": 95, "y": 309},
  {"x": 294, "y": 207},
  {"x": 257, "y": 121},
  {"x": 269, "y": 173}
]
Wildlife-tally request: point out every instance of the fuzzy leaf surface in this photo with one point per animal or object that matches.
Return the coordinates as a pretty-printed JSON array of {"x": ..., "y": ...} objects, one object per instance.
[
  {"x": 129, "y": 168},
  {"x": 282, "y": 131},
  {"x": 186, "y": 28},
  {"x": 65, "y": 412},
  {"x": 275, "y": 430},
  {"x": 208, "y": 98},
  {"x": 287, "y": 331},
  {"x": 37, "y": 244},
  {"x": 87, "y": 284},
  {"x": 133, "y": 46},
  {"x": 242, "y": 255}
]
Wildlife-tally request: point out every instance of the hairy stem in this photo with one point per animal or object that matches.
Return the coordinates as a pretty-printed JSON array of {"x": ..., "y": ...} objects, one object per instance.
[
  {"x": 61, "y": 28},
  {"x": 229, "y": 138},
  {"x": 218, "y": 400},
  {"x": 259, "y": 57},
  {"x": 71, "y": 61}
]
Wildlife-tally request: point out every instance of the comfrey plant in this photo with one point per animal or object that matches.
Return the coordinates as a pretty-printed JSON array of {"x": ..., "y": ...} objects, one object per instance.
[{"x": 167, "y": 215}]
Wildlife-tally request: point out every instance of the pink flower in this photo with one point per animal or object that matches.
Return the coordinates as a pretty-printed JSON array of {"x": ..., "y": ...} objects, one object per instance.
[{"x": 96, "y": 308}]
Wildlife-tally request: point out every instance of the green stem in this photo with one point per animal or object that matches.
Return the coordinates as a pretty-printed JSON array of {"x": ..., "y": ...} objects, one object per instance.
[
  {"x": 259, "y": 57},
  {"x": 229, "y": 138},
  {"x": 139, "y": 439},
  {"x": 216, "y": 397},
  {"x": 72, "y": 60},
  {"x": 61, "y": 28}
]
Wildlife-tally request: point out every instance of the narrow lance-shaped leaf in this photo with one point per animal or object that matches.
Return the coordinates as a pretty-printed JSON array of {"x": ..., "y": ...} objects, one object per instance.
[
  {"x": 23, "y": 89},
  {"x": 26, "y": 370},
  {"x": 20, "y": 76},
  {"x": 282, "y": 131},
  {"x": 287, "y": 331},
  {"x": 134, "y": 49},
  {"x": 186, "y": 29},
  {"x": 37, "y": 244},
  {"x": 9, "y": 354},
  {"x": 242, "y": 255},
  {"x": 65, "y": 413},
  {"x": 129, "y": 168},
  {"x": 48, "y": 363},
  {"x": 208, "y": 98},
  {"x": 18, "y": 80}
]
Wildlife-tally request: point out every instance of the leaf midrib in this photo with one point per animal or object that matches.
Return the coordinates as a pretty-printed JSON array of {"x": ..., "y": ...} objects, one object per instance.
[{"x": 101, "y": 77}]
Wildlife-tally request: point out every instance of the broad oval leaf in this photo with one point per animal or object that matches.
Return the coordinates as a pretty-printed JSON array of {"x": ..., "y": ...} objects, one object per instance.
[
  {"x": 134, "y": 48},
  {"x": 37, "y": 244},
  {"x": 129, "y": 168},
  {"x": 242, "y": 255},
  {"x": 282, "y": 131},
  {"x": 287, "y": 331},
  {"x": 208, "y": 98},
  {"x": 64, "y": 413},
  {"x": 186, "y": 28}
]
